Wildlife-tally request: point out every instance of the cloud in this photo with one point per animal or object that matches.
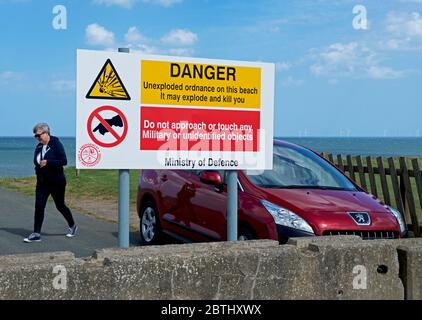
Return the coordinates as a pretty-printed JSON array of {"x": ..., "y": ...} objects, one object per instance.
[
  {"x": 128, "y": 4},
  {"x": 350, "y": 60},
  {"x": 134, "y": 36},
  {"x": 139, "y": 43},
  {"x": 63, "y": 86},
  {"x": 181, "y": 51},
  {"x": 266, "y": 25},
  {"x": 97, "y": 35},
  {"x": 404, "y": 31},
  {"x": 14, "y": 1},
  {"x": 163, "y": 3},
  {"x": 292, "y": 82},
  {"x": 121, "y": 3},
  {"x": 411, "y": 1},
  {"x": 176, "y": 42},
  {"x": 282, "y": 66},
  {"x": 395, "y": 43},
  {"x": 180, "y": 37},
  {"x": 405, "y": 24},
  {"x": 145, "y": 49},
  {"x": 379, "y": 72},
  {"x": 7, "y": 78},
  {"x": 19, "y": 81}
]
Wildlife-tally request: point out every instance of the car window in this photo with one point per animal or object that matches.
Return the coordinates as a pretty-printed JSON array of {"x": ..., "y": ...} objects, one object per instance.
[
  {"x": 299, "y": 168},
  {"x": 195, "y": 172}
]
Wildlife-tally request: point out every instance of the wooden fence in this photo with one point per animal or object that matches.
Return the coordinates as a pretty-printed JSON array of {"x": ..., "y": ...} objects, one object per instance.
[{"x": 396, "y": 181}]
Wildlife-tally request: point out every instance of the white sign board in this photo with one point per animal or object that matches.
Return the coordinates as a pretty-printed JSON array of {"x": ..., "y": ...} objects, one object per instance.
[{"x": 138, "y": 111}]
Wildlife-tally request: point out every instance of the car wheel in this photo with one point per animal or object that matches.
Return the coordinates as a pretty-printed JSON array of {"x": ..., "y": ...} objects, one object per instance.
[
  {"x": 245, "y": 233},
  {"x": 149, "y": 226}
]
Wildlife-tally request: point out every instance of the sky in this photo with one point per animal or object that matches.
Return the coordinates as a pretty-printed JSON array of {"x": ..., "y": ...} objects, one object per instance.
[{"x": 343, "y": 68}]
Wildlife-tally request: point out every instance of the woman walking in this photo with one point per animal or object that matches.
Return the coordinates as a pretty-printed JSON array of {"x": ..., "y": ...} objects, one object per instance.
[{"x": 49, "y": 159}]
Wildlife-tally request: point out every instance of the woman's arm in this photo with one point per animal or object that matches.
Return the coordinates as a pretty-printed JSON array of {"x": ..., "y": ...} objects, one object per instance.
[{"x": 60, "y": 159}]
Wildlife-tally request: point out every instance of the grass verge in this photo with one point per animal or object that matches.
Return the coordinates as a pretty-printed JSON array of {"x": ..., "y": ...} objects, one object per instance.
[{"x": 92, "y": 192}]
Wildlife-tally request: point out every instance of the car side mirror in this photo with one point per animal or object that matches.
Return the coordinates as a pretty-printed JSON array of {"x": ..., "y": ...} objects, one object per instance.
[{"x": 211, "y": 177}]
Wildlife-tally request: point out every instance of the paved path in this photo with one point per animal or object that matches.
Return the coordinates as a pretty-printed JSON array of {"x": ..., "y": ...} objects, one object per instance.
[{"x": 17, "y": 220}]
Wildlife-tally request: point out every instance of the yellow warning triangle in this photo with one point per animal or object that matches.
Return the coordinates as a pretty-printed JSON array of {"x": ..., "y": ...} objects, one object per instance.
[{"x": 108, "y": 85}]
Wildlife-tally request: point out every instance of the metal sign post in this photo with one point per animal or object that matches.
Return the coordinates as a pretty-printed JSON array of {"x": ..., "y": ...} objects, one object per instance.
[
  {"x": 231, "y": 205},
  {"x": 124, "y": 200},
  {"x": 124, "y": 208}
]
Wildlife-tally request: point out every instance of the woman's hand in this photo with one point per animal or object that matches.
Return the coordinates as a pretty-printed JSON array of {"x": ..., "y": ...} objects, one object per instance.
[{"x": 43, "y": 163}]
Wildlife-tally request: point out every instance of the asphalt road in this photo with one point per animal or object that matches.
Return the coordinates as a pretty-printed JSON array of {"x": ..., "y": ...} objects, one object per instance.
[{"x": 17, "y": 220}]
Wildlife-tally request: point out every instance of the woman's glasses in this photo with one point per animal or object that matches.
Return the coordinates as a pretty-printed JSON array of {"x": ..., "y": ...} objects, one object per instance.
[{"x": 38, "y": 135}]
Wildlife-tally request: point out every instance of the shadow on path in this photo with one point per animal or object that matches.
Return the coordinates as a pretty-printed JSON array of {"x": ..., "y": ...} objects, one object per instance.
[
  {"x": 25, "y": 232},
  {"x": 134, "y": 239}
]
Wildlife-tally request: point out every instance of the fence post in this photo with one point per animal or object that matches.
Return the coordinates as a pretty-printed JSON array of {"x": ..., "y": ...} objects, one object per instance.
[
  {"x": 351, "y": 169},
  {"x": 361, "y": 171},
  {"x": 340, "y": 162},
  {"x": 384, "y": 185},
  {"x": 402, "y": 186},
  {"x": 418, "y": 178},
  {"x": 396, "y": 185},
  {"x": 371, "y": 176},
  {"x": 408, "y": 194}
]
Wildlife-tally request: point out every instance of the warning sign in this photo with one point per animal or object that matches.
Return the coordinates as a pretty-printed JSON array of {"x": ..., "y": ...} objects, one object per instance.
[
  {"x": 108, "y": 85},
  {"x": 198, "y": 84},
  {"x": 107, "y": 126},
  {"x": 182, "y": 113},
  {"x": 208, "y": 130}
]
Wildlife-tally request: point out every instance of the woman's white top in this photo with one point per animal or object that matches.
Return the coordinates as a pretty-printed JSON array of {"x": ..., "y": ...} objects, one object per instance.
[{"x": 43, "y": 152}]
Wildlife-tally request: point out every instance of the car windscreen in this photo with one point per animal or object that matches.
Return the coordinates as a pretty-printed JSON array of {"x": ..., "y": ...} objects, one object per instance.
[{"x": 296, "y": 168}]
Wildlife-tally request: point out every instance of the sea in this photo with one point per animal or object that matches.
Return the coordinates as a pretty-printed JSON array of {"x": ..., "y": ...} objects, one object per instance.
[{"x": 16, "y": 153}]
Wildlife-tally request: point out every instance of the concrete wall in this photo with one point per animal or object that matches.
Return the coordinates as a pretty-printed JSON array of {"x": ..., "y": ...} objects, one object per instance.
[
  {"x": 343, "y": 267},
  {"x": 410, "y": 258}
]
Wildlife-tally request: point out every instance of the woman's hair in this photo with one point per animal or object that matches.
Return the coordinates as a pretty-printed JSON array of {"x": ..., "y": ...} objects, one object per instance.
[{"x": 41, "y": 126}]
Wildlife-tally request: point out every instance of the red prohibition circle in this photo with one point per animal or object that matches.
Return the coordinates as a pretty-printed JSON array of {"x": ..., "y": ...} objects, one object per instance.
[{"x": 96, "y": 114}]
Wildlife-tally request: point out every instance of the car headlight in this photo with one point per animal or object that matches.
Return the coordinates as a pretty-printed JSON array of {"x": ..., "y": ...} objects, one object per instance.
[
  {"x": 286, "y": 218},
  {"x": 396, "y": 213}
]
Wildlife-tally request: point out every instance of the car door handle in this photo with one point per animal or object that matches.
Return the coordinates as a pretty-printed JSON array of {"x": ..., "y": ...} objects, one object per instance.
[{"x": 219, "y": 188}]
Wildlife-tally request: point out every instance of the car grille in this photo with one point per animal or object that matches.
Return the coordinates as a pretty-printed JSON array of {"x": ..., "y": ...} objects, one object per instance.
[{"x": 366, "y": 235}]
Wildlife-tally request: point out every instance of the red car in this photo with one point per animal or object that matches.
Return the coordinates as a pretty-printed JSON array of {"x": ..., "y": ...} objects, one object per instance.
[{"x": 304, "y": 195}]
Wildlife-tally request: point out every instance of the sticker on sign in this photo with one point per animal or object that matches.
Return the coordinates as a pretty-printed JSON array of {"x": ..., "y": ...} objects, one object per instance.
[{"x": 184, "y": 113}]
